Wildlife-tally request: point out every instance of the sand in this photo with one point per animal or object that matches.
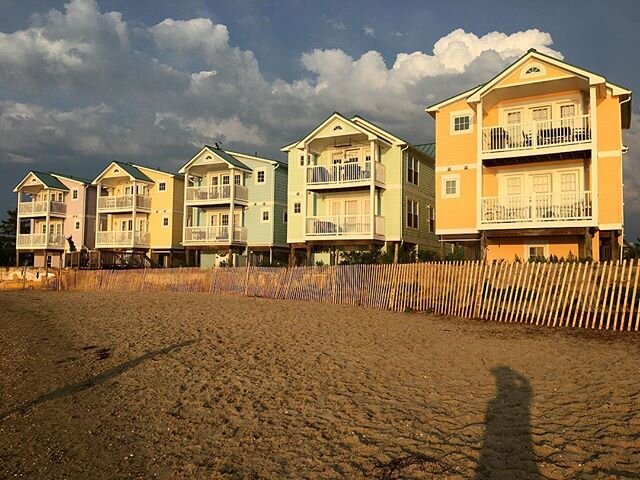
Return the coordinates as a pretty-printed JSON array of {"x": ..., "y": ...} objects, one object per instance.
[{"x": 177, "y": 385}]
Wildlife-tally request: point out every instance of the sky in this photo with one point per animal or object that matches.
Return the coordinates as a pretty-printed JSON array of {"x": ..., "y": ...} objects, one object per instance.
[{"x": 85, "y": 82}]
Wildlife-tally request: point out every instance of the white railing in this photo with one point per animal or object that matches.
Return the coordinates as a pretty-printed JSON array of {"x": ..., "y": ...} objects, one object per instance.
[
  {"x": 218, "y": 234},
  {"x": 540, "y": 134},
  {"x": 40, "y": 208},
  {"x": 123, "y": 202},
  {"x": 342, "y": 225},
  {"x": 344, "y": 173},
  {"x": 40, "y": 240},
  {"x": 127, "y": 238},
  {"x": 538, "y": 208},
  {"x": 200, "y": 194}
]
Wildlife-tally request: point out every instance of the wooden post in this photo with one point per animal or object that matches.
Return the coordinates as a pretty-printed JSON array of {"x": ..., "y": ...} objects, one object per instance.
[{"x": 395, "y": 253}]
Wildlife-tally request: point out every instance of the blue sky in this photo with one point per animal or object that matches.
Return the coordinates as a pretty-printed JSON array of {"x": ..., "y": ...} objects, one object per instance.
[{"x": 85, "y": 82}]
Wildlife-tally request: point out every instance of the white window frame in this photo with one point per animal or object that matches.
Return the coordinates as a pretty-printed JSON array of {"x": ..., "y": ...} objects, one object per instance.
[
  {"x": 299, "y": 208},
  {"x": 262, "y": 212},
  {"x": 165, "y": 222},
  {"x": 448, "y": 178},
  {"x": 74, "y": 194},
  {"x": 524, "y": 74},
  {"x": 415, "y": 170},
  {"x": 415, "y": 213},
  {"x": 458, "y": 114},
  {"x": 264, "y": 176},
  {"x": 162, "y": 186},
  {"x": 77, "y": 225},
  {"x": 545, "y": 247}
]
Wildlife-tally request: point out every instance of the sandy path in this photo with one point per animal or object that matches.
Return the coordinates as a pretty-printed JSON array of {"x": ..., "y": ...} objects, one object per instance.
[{"x": 201, "y": 386}]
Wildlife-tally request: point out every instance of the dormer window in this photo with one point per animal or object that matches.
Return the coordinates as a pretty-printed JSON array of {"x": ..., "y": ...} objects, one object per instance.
[{"x": 533, "y": 71}]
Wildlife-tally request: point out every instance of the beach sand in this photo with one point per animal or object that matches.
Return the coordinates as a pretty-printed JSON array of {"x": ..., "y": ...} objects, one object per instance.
[{"x": 178, "y": 385}]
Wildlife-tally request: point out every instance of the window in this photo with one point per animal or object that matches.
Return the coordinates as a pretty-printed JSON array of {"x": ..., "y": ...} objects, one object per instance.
[
  {"x": 260, "y": 175},
  {"x": 284, "y": 217},
  {"x": 514, "y": 118},
  {"x": 532, "y": 71},
  {"x": 162, "y": 186},
  {"x": 165, "y": 221},
  {"x": 302, "y": 160},
  {"x": 461, "y": 123},
  {"x": 430, "y": 219},
  {"x": 74, "y": 195},
  {"x": 569, "y": 182},
  {"x": 535, "y": 252},
  {"x": 412, "y": 170},
  {"x": 412, "y": 214},
  {"x": 514, "y": 185},
  {"x": 541, "y": 183},
  {"x": 567, "y": 111},
  {"x": 297, "y": 208},
  {"x": 264, "y": 215},
  {"x": 224, "y": 219},
  {"x": 44, "y": 228},
  {"x": 237, "y": 179},
  {"x": 540, "y": 114},
  {"x": 450, "y": 186},
  {"x": 77, "y": 225},
  {"x": 49, "y": 260}
]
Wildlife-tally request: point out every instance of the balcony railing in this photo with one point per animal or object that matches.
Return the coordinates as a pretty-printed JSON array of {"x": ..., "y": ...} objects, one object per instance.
[
  {"x": 123, "y": 202},
  {"x": 352, "y": 172},
  {"x": 40, "y": 240},
  {"x": 213, "y": 235},
  {"x": 537, "y": 135},
  {"x": 213, "y": 193},
  {"x": 127, "y": 238},
  {"x": 537, "y": 208},
  {"x": 343, "y": 226},
  {"x": 41, "y": 208}
]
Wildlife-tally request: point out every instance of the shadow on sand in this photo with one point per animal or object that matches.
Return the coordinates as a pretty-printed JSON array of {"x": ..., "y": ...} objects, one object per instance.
[
  {"x": 507, "y": 449},
  {"x": 99, "y": 379}
]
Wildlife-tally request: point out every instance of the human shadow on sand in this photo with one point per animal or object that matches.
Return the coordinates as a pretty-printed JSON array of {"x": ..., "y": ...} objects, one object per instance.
[
  {"x": 91, "y": 382},
  {"x": 507, "y": 449}
]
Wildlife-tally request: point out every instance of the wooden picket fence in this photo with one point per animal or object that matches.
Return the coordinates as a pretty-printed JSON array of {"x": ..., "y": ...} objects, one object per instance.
[{"x": 580, "y": 295}]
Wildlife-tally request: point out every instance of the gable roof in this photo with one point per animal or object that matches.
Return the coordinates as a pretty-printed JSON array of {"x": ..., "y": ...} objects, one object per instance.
[
  {"x": 474, "y": 94},
  {"x": 429, "y": 149},
  {"x": 357, "y": 123},
  {"x": 46, "y": 179},
  {"x": 157, "y": 170},
  {"x": 221, "y": 154},
  {"x": 128, "y": 168}
]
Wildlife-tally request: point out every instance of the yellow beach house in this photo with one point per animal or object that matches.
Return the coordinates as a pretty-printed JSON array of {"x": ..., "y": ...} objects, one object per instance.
[
  {"x": 55, "y": 211},
  {"x": 355, "y": 186},
  {"x": 529, "y": 164},
  {"x": 139, "y": 210}
]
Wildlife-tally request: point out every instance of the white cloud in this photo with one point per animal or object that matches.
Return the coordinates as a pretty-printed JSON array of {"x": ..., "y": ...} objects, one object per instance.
[{"x": 369, "y": 31}]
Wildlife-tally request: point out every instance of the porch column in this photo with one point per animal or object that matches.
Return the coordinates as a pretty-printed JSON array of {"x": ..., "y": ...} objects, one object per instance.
[
  {"x": 232, "y": 197},
  {"x": 185, "y": 209},
  {"x": 98, "y": 192},
  {"x": 372, "y": 189},
  {"x": 478, "y": 165},
  {"x": 18, "y": 228},
  {"x": 593, "y": 113},
  {"x": 305, "y": 193},
  {"x": 133, "y": 215},
  {"x": 48, "y": 222}
]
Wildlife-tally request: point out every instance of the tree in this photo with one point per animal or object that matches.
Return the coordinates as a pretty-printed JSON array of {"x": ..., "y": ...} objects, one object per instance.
[{"x": 8, "y": 238}]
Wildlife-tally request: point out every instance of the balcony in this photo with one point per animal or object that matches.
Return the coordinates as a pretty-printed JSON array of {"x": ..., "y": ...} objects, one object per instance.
[
  {"x": 122, "y": 239},
  {"x": 537, "y": 210},
  {"x": 213, "y": 235},
  {"x": 119, "y": 203},
  {"x": 344, "y": 226},
  {"x": 31, "y": 241},
  {"x": 212, "y": 194},
  {"x": 36, "y": 209},
  {"x": 347, "y": 174},
  {"x": 545, "y": 136}
]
